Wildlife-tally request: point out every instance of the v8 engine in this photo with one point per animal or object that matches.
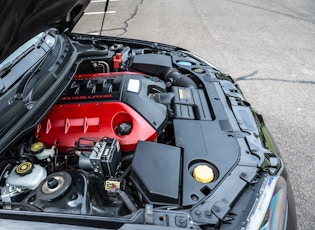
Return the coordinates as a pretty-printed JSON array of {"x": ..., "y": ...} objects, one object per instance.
[
  {"x": 134, "y": 129},
  {"x": 115, "y": 105}
]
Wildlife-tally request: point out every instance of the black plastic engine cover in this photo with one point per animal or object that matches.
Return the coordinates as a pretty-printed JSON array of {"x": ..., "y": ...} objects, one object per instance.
[
  {"x": 190, "y": 103},
  {"x": 204, "y": 142},
  {"x": 152, "y": 64},
  {"x": 137, "y": 97},
  {"x": 152, "y": 163}
]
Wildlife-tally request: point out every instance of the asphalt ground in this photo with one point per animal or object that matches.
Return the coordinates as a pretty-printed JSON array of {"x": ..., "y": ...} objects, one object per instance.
[{"x": 267, "y": 46}]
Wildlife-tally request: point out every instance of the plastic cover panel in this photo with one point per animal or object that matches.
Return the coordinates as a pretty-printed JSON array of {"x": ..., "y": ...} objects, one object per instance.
[{"x": 157, "y": 162}]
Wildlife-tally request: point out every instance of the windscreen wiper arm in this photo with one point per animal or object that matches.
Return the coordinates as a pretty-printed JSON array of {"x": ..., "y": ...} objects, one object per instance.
[
  {"x": 4, "y": 71},
  {"x": 26, "y": 78},
  {"x": 7, "y": 68},
  {"x": 2, "y": 86}
]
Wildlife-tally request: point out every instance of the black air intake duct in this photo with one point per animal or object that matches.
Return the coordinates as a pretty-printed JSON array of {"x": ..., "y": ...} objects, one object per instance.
[{"x": 161, "y": 66}]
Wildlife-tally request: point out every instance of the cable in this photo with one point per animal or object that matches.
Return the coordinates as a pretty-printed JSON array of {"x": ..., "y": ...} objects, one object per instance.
[{"x": 105, "y": 10}]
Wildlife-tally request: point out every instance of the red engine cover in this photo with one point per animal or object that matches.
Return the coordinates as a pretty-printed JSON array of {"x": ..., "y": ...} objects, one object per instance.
[{"x": 68, "y": 122}]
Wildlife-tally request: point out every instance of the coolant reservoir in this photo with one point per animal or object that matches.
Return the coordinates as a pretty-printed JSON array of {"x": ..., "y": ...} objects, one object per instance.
[
  {"x": 26, "y": 175},
  {"x": 203, "y": 173}
]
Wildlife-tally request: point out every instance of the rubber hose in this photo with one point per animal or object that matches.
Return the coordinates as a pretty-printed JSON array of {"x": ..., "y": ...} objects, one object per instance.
[
  {"x": 132, "y": 208},
  {"x": 177, "y": 79}
]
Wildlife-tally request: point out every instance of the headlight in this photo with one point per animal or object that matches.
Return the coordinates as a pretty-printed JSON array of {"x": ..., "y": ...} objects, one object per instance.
[{"x": 271, "y": 208}]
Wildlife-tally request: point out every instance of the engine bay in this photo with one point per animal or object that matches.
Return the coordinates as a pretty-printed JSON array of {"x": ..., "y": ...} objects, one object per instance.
[{"x": 135, "y": 128}]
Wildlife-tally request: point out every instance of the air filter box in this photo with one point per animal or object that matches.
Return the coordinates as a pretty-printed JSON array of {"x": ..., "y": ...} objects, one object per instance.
[{"x": 156, "y": 172}]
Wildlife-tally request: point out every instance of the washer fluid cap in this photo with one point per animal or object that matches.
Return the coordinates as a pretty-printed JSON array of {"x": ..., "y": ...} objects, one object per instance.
[
  {"x": 203, "y": 173},
  {"x": 185, "y": 63}
]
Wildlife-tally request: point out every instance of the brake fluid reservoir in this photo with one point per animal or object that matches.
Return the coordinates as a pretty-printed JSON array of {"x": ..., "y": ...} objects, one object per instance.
[
  {"x": 26, "y": 175},
  {"x": 41, "y": 153}
]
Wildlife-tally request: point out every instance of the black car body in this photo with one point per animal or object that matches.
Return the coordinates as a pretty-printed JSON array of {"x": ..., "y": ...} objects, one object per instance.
[{"x": 122, "y": 133}]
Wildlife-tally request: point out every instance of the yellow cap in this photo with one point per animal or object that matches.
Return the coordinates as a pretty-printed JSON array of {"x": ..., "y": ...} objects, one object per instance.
[
  {"x": 37, "y": 147},
  {"x": 24, "y": 168},
  {"x": 203, "y": 173}
]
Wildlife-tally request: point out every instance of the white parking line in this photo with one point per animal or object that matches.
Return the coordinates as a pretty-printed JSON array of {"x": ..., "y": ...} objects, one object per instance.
[
  {"x": 96, "y": 1},
  {"x": 94, "y": 33},
  {"x": 92, "y": 13}
]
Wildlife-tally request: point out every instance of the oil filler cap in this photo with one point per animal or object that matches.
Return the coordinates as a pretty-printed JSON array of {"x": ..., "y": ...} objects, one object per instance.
[
  {"x": 203, "y": 173},
  {"x": 24, "y": 168},
  {"x": 124, "y": 128}
]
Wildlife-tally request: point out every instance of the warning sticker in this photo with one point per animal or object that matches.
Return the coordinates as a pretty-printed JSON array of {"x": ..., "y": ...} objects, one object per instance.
[
  {"x": 184, "y": 94},
  {"x": 111, "y": 185},
  {"x": 133, "y": 85}
]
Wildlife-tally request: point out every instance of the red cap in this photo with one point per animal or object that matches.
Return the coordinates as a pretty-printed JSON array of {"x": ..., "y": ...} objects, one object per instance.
[{"x": 116, "y": 61}]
